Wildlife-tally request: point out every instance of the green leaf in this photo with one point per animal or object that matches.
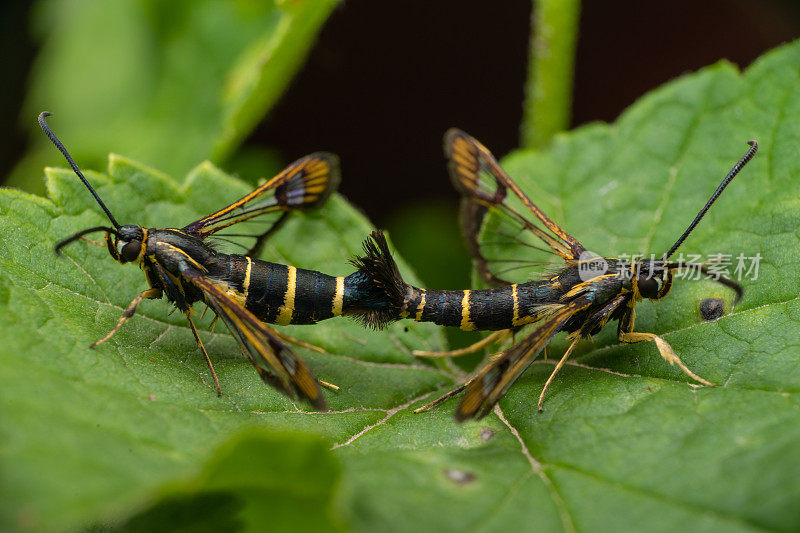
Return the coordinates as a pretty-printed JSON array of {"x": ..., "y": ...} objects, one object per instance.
[
  {"x": 626, "y": 442},
  {"x": 258, "y": 479},
  {"x": 169, "y": 83}
]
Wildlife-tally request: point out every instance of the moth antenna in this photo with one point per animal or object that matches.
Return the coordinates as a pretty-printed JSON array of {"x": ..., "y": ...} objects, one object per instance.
[
  {"x": 63, "y": 150},
  {"x": 732, "y": 174},
  {"x": 80, "y": 235}
]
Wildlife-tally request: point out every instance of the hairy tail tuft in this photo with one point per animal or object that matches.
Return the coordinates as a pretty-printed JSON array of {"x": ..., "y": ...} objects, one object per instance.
[{"x": 378, "y": 265}]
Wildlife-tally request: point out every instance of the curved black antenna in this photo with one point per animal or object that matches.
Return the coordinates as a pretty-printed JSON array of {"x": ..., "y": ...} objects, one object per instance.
[
  {"x": 703, "y": 269},
  {"x": 54, "y": 139},
  {"x": 732, "y": 174},
  {"x": 80, "y": 234}
]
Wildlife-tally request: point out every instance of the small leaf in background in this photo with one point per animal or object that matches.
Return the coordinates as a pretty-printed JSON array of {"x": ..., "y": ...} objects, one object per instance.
[
  {"x": 169, "y": 83},
  {"x": 258, "y": 480}
]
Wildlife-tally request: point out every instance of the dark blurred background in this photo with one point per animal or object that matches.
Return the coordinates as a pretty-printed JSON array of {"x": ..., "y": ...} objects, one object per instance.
[
  {"x": 382, "y": 85},
  {"x": 385, "y": 80}
]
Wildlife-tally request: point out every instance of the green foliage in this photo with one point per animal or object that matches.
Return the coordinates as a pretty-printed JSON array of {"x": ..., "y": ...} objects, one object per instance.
[
  {"x": 169, "y": 83},
  {"x": 132, "y": 431}
]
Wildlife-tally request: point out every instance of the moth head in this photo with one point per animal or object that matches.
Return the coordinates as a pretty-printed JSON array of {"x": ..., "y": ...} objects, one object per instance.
[
  {"x": 127, "y": 244},
  {"x": 653, "y": 278}
]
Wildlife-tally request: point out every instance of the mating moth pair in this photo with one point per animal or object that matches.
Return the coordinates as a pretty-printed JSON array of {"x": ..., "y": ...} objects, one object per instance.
[{"x": 186, "y": 266}]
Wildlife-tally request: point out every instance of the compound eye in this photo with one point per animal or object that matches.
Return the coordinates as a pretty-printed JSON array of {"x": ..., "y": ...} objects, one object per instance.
[
  {"x": 130, "y": 251},
  {"x": 648, "y": 287}
]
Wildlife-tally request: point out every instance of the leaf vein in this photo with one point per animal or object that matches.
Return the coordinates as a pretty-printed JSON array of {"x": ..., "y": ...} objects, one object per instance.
[
  {"x": 536, "y": 467},
  {"x": 663, "y": 498},
  {"x": 389, "y": 414}
]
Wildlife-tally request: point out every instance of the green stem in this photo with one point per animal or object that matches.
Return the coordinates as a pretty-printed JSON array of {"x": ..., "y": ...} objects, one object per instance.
[{"x": 548, "y": 93}]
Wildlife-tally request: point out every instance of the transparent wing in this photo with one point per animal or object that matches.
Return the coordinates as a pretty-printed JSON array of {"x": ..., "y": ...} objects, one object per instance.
[
  {"x": 305, "y": 184},
  {"x": 512, "y": 245}
]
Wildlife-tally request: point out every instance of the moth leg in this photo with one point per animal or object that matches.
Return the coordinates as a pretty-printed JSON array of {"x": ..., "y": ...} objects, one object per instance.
[
  {"x": 665, "y": 350},
  {"x": 149, "y": 294},
  {"x": 555, "y": 371},
  {"x": 214, "y": 320},
  {"x": 92, "y": 241},
  {"x": 443, "y": 397},
  {"x": 497, "y": 336},
  {"x": 330, "y": 386},
  {"x": 203, "y": 349},
  {"x": 597, "y": 320},
  {"x": 626, "y": 334},
  {"x": 294, "y": 341}
]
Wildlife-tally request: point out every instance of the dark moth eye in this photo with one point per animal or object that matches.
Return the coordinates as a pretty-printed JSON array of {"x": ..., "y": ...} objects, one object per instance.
[
  {"x": 648, "y": 287},
  {"x": 130, "y": 251}
]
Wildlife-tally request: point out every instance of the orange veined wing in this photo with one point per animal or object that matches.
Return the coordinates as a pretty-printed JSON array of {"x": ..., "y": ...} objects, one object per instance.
[
  {"x": 494, "y": 379},
  {"x": 277, "y": 365},
  {"x": 498, "y": 243},
  {"x": 307, "y": 183}
]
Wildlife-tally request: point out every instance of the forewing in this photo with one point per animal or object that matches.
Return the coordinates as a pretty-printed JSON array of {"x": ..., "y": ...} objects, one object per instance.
[
  {"x": 484, "y": 187},
  {"x": 277, "y": 365},
  {"x": 492, "y": 381},
  {"x": 305, "y": 184}
]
